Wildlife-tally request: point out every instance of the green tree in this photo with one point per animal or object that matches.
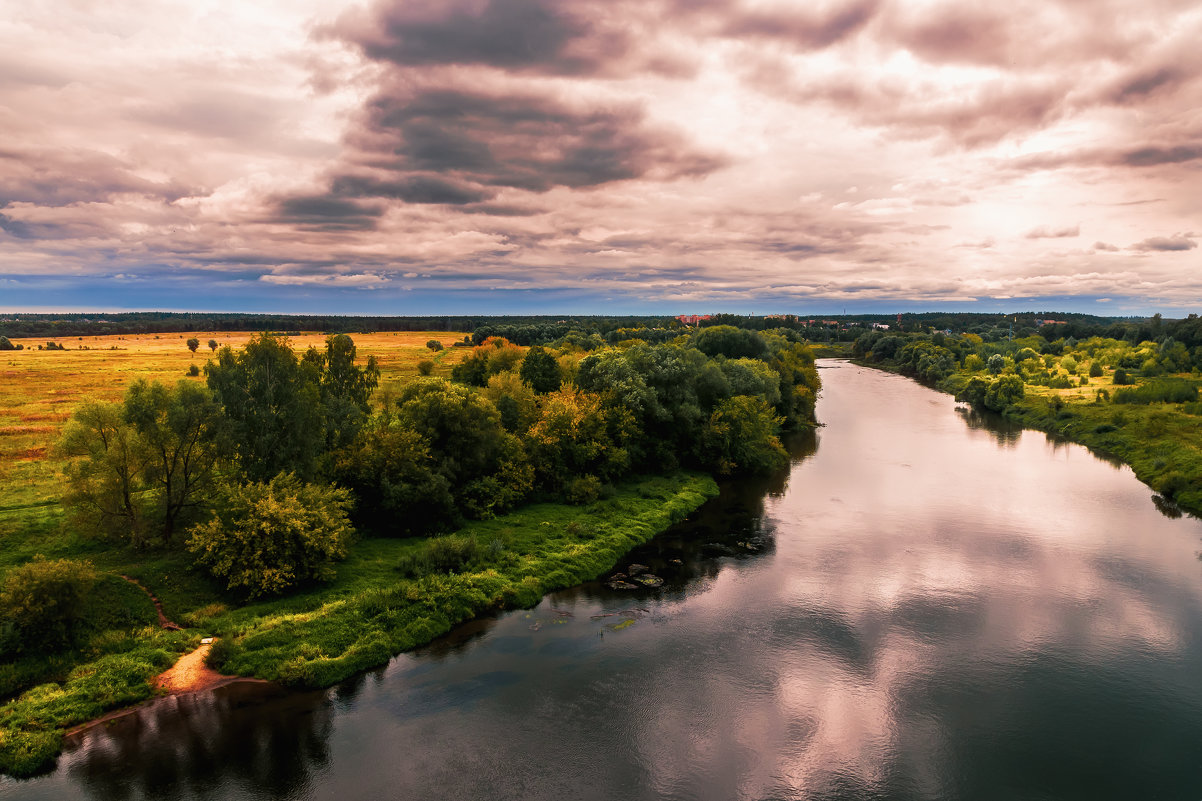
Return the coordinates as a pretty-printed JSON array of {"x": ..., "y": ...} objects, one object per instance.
[
  {"x": 1004, "y": 392},
  {"x": 425, "y": 367},
  {"x": 182, "y": 428},
  {"x": 484, "y": 464},
  {"x": 213, "y": 345},
  {"x": 41, "y": 604},
  {"x": 346, "y": 388},
  {"x": 5, "y": 344},
  {"x": 540, "y": 370},
  {"x": 434, "y": 345},
  {"x": 268, "y": 538},
  {"x": 106, "y": 472},
  {"x": 740, "y": 437},
  {"x": 731, "y": 342},
  {"x": 395, "y": 481},
  {"x": 193, "y": 344},
  {"x": 274, "y": 405}
]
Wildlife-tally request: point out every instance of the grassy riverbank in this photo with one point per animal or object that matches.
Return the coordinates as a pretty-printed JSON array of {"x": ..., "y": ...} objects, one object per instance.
[
  {"x": 389, "y": 595},
  {"x": 1160, "y": 441}
]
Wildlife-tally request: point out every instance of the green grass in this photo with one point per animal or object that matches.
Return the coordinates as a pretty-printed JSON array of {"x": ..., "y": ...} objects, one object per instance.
[{"x": 377, "y": 606}]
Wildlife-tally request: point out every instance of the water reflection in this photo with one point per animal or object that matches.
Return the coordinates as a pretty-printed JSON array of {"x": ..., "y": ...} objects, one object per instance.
[
  {"x": 920, "y": 609},
  {"x": 201, "y": 745}
]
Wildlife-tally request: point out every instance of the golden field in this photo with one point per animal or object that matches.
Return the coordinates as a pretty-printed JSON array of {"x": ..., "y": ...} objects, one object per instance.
[{"x": 40, "y": 388}]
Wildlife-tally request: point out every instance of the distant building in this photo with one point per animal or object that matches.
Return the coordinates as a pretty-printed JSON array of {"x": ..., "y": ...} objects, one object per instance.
[
  {"x": 1040, "y": 323},
  {"x": 881, "y": 326},
  {"x": 692, "y": 319}
]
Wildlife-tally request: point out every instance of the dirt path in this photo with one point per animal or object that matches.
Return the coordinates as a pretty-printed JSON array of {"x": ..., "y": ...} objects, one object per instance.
[
  {"x": 158, "y": 606},
  {"x": 190, "y": 674}
]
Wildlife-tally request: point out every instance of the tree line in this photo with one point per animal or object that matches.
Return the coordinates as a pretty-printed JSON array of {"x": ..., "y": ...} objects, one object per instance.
[{"x": 268, "y": 470}]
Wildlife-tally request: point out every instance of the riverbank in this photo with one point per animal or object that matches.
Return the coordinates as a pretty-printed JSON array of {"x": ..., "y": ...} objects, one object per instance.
[
  {"x": 1160, "y": 442},
  {"x": 378, "y": 605}
]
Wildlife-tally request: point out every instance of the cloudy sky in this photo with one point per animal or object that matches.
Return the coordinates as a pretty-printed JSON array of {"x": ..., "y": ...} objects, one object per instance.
[{"x": 451, "y": 156}]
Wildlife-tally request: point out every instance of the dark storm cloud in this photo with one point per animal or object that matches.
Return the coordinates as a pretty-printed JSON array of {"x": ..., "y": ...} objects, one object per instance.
[
  {"x": 1152, "y": 156},
  {"x": 411, "y": 189},
  {"x": 524, "y": 141},
  {"x": 539, "y": 36},
  {"x": 327, "y": 213},
  {"x": 1177, "y": 242},
  {"x": 457, "y": 147}
]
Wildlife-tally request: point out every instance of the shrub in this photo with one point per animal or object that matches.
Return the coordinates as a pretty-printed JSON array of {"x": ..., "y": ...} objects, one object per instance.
[
  {"x": 974, "y": 362},
  {"x": 1095, "y": 369},
  {"x": 583, "y": 490},
  {"x": 1165, "y": 390},
  {"x": 193, "y": 370},
  {"x": 1004, "y": 392},
  {"x": 425, "y": 367},
  {"x": 434, "y": 345},
  {"x": 996, "y": 363},
  {"x": 1121, "y": 378},
  {"x": 5, "y": 344},
  {"x": 41, "y": 604},
  {"x": 269, "y": 537}
]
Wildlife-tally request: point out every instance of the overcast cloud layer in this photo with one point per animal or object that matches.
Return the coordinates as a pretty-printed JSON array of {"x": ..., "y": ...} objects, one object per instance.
[{"x": 607, "y": 155}]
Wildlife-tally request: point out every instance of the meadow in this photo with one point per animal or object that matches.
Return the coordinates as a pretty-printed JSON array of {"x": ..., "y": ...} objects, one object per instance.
[{"x": 40, "y": 388}]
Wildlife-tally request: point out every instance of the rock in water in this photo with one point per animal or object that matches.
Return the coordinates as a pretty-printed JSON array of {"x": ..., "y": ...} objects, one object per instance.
[
  {"x": 634, "y": 570},
  {"x": 649, "y": 580}
]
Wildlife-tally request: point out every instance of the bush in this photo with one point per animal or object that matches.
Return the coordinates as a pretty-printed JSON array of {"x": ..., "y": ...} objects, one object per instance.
[
  {"x": 439, "y": 555},
  {"x": 193, "y": 370},
  {"x": 5, "y": 344},
  {"x": 1165, "y": 390},
  {"x": 269, "y": 537},
  {"x": 41, "y": 604},
  {"x": 425, "y": 367},
  {"x": 996, "y": 363},
  {"x": 1095, "y": 369},
  {"x": 583, "y": 490},
  {"x": 1121, "y": 378},
  {"x": 1004, "y": 392},
  {"x": 434, "y": 345}
]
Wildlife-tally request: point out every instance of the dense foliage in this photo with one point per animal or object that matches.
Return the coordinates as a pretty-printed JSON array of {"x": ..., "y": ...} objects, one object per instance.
[{"x": 267, "y": 538}]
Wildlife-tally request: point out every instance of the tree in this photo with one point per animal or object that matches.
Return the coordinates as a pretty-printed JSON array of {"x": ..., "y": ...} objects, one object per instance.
[
  {"x": 273, "y": 402},
  {"x": 106, "y": 472},
  {"x": 731, "y": 342},
  {"x": 396, "y": 483},
  {"x": 183, "y": 429},
  {"x": 193, "y": 344},
  {"x": 267, "y": 538},
  {"x": 213, "y": 345},
  {"x": 1004, "y": 392},
  {"x": 138, "y": 466},
  {"x": 434, "y": 345},
  {"x": 41, "y": 604},
  {"x": 5, "y": 344},
  {"x": 484, "y": 464},
  {"x": 540, "y": 370},
  {"x": 346, "y": 388},
  {"x": 740, "y": 437}
]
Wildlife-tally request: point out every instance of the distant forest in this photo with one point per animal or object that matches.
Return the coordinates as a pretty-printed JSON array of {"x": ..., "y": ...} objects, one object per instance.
[{"x": 536, "y": 329}]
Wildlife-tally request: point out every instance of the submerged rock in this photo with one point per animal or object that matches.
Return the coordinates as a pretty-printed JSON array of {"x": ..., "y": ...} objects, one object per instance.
[
  {"x": 649, "y": 580},
  {"x": 634, "y": 570},
  {"x": 620, "y": 585}
]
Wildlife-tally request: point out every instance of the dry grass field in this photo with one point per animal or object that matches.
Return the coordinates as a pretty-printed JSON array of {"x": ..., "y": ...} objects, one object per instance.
[{"x": 40, "y": 388}]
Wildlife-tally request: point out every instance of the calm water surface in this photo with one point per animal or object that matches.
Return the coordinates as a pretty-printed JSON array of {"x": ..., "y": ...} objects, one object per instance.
[{"x": 927, "y": 606}]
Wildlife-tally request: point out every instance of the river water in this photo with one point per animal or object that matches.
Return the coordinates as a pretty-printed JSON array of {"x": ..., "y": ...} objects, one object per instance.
[{"x": 927, "y": 605}]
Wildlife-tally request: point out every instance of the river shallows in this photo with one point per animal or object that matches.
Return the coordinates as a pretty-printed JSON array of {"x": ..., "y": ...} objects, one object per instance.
[{"x": 927, "y": 606}]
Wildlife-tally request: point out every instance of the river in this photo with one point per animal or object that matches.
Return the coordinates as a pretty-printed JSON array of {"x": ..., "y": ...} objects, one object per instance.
[{"x": 927, "y": 605}]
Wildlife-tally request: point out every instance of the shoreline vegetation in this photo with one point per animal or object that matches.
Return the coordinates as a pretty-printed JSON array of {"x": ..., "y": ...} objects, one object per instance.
[
  {"x": 316, "y": 527},
  {"x": 1131, "y": 401}
]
